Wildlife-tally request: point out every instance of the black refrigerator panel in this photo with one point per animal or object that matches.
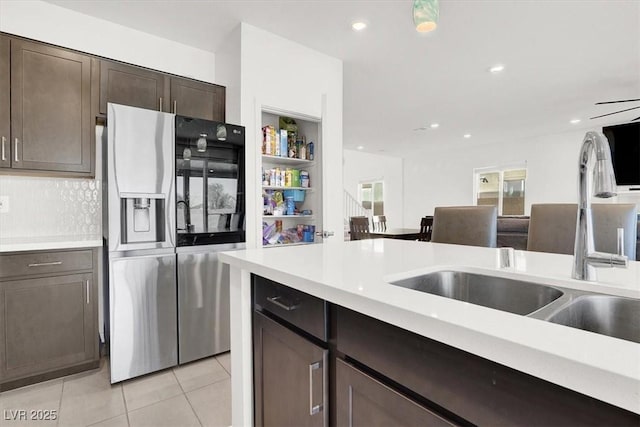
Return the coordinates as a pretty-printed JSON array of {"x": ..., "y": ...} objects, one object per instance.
[{"x": 210, "y": 182}]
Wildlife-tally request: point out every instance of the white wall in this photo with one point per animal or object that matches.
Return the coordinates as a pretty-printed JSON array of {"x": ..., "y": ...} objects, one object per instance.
[
  {"x": 228, "y": 67},
  {"x": 282, "y": 74},
  {"x": 63, "y": 27},
  {"x": 362, "y": 167},
  {"x": 444, "y": 177}
]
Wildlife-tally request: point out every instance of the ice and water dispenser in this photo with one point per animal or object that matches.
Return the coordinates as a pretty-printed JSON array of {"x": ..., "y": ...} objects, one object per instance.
[
  {"x": 143, "y": 218},
  {"x": 140, "y": 179}
]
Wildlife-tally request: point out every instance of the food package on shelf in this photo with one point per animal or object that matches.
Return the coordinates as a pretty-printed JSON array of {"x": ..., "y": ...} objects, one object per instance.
[{"x": 268, "y": 140}]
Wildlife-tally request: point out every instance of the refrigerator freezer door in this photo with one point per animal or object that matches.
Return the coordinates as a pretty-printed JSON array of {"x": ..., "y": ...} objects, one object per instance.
[
  {"x": 140, "y": 165},
  {"x": 203, "y": 301},
  {"x": 143, "y": 332}
]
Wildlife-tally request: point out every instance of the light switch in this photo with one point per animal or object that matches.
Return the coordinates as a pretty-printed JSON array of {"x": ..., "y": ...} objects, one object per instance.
[{"x": 4, "y": 204}]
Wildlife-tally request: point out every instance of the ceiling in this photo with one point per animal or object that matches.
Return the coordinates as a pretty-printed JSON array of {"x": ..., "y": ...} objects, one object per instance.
[{"x": 560, "y": 58}]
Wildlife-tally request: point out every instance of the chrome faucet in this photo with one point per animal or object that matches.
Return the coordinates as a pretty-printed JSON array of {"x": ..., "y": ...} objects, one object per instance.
[{"x": 604, "y": 186}]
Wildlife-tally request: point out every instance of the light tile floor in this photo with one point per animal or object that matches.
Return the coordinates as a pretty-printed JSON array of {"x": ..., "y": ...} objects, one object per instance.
[{"x": 196, "y": 394}]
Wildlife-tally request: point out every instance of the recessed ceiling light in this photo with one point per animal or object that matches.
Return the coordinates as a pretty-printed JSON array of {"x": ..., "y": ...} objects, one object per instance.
[
  {"x": 359, "y": 25},
  {"x": 466, "y": 135},
  {"x": 496, "y": 68},
  {"x": 434, "y": 125},
  {"x": 574, "y": 121},
  {"x": 360, "y": 147}
]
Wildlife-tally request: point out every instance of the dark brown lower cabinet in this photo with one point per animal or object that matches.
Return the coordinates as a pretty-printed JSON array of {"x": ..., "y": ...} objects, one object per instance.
[
  {"x": 469, "y": 387},
  {"x": 290, "y": 376},
  {"x": 362, "y": 401},
  {"x": 382, "y": 375},
  {"x": 48, "y": 322}
]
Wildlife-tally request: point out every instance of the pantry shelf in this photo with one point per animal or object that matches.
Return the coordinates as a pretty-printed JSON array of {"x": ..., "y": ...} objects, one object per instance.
[
  {"x": 273, "y": 187},
  {"x": 286, "y": 160},
  {"x": 288, "y": 244},
  {"x": 287, "y": 216}
]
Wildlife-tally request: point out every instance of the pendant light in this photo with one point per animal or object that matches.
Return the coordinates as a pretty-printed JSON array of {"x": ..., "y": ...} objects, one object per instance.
[
  {"x": 221, "y": 132},
  {"x": 425, "y": 15},
  {"x": 201, "y": 143}
]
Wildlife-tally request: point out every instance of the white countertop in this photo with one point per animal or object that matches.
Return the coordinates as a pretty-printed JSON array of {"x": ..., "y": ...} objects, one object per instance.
[
  {"x": 356, "y": 275},
  {"x": 16, "y": 244}
]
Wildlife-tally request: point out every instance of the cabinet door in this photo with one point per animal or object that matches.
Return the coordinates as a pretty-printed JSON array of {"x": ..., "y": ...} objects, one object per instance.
[
  {"x": 130, "y": 85},
  {"x": 50, "y": 105},
  {"x": 290, "y": 377},
  {"x": 5, "y": 140},
  {"x": 47, "y": 323},
  {"x": 363, "y": 401},
  {"x": 197, "y": 99}
]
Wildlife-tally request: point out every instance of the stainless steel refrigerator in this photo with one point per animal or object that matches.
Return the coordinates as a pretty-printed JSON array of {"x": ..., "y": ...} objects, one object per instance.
[
  {"x": 210, "y": 182},
  {"x": 140, "y": 241}
]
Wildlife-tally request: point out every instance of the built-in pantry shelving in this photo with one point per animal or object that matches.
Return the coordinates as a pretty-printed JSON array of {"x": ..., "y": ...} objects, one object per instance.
[{"x": 285, "y": 176}]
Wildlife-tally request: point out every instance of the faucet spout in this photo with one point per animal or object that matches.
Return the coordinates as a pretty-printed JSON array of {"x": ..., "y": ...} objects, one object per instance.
[{"x": 604, "y": 186}]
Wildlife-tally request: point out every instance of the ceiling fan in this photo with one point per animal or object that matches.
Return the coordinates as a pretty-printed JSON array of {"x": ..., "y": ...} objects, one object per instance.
[{"x": 620, "y": 111}]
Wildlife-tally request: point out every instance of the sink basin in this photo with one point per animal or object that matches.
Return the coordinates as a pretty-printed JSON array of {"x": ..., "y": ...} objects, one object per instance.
[
  {"x": 607, "y": 315},
  {"x": 513, "y": 296}
]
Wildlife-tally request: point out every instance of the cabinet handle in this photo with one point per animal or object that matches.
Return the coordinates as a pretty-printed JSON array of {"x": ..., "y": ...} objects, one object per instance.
[
  {"x": 42, "y": 264},
  {"x": 16, "y": 154},
  {"x": 276, "y": 301},
  {"x": 175, "y": 107},
  {"x": 620, "y": 241},
  {"x": 160, "y": 104},
  {"x": 313, "y": 409},
  {"x": 86, "y": 285},
  {"x": 4, "y": 157}
]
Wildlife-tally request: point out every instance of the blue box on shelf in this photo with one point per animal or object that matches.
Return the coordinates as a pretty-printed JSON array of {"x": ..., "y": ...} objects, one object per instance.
[{"x": 298, "y": 195}]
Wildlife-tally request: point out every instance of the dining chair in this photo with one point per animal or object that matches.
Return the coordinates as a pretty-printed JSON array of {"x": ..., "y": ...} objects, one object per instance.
[
  {"x": 359, "y": 228},
  {"x": 426, "y": 227},
  {"x": 607, "y": 218},
  {"x": 379, "y": 223},
  {"x": 552, "y": 227},
  {"x": 465, "y": 225}
]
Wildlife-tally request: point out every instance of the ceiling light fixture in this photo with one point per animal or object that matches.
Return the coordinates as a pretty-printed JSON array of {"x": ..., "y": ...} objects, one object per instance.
[
  {"x": 434, "y": 125},
  {"x": 496, "y": 68},
  {"x": 574, "y": 121},
  {"x": 425, "y": 15},
  {"x": 360, "y": 147},
  {"x": 466, "y": 135},
  {"x": 359, "y": 25}
]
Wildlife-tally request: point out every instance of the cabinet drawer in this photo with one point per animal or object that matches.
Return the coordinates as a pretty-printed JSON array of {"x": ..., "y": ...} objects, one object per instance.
[
  {"x": 301, "y": 310},
  {"x": 362, "y": 401},
  {"x": 24, "y": 264}
]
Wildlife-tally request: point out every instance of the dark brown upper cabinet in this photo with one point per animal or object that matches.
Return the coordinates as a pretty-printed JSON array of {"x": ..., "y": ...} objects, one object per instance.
[
  {"x": 50, "y": 109},
  {"x": 5, "y": 84},
  {"x": 130, "y": 85},
  {"x": 196, "y": 99}
]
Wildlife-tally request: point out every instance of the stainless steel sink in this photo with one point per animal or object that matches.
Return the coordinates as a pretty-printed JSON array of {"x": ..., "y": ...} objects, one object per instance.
[
  {"x": 607, "y": 315},
  {"x": 513, "y": 296}
]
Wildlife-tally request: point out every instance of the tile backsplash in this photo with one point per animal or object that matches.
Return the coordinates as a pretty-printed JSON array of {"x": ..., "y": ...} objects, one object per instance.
[{"x": 39, "y": 207}]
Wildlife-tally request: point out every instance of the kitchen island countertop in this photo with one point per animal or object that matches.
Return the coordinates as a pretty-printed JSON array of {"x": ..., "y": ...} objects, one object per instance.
[{"x": 356, "y": 275}]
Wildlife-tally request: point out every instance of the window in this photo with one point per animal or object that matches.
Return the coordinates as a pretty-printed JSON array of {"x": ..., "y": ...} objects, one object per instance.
[
  {"x": 370, "y": 195},
  {"x": 502, "y": 187}
]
